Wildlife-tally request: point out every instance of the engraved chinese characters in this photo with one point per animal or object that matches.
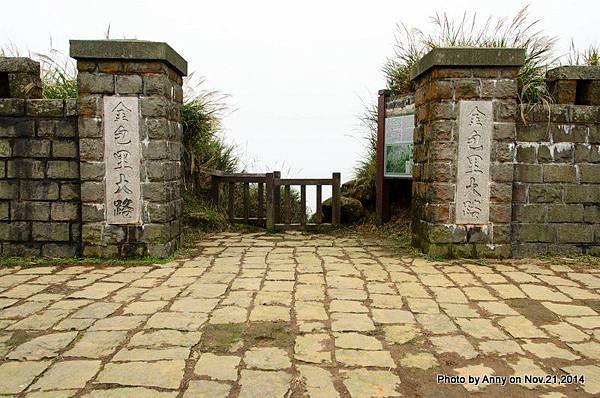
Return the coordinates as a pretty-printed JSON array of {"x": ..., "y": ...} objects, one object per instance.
[
  {"x": 122, "y": 160},
  {"x": 474, "y": 142}
]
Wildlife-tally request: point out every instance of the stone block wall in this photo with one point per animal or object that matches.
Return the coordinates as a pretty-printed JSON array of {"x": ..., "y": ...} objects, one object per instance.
[
  {"x": 544, "y": 160},
  {"x": 441, "y": 82},
  {"x": 158, "y": 85},
  {"x": 556, "y": 196},
  {"x": 39, "y": 170},
  {"x": 52, "y": 160}
]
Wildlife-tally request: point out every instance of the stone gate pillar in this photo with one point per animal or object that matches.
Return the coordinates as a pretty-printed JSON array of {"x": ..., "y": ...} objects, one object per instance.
[
  {"x": 129, "y": 101},
  {"x": 465, "y": 111}
]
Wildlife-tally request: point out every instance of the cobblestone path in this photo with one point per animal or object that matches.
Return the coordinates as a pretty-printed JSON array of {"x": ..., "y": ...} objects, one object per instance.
[{"x": 257, "y": 315}]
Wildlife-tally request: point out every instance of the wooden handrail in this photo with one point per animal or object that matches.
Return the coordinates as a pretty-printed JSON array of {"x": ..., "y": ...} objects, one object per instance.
[{"x": 269, "y": 197}]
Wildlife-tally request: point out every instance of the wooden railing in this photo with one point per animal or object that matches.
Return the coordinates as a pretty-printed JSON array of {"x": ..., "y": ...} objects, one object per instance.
[
  {"x": 268, "y": 212},
  {"x": 220, "y": 179}
]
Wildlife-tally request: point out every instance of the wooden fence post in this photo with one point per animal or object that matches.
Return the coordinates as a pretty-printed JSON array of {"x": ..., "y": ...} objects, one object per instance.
[
  {"x": 276, "y": 198},
  {"x": 336, "y": 210},
  {"x": 270, "y": 210},
  {"x": 231, "y": 198},
  {"x": 215, "y": 191}
]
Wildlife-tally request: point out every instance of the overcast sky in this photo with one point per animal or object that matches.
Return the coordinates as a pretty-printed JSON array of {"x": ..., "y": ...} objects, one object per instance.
[{"x": 297, "y": 73}]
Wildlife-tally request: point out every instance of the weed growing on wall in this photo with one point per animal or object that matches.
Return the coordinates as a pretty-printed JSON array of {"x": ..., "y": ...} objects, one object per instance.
[{"x": 470, "y": 31}]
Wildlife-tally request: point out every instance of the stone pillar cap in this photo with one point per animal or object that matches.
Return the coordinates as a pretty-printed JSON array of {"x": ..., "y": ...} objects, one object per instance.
[
  {"x": 468, "y": 56},
  {"x": 574, "y": 72},
  {"x": 139, "y": 50},
  {"x": 19, "y": 64}
]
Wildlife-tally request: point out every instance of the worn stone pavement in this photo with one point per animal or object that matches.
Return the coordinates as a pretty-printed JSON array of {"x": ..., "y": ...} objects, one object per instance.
[{"x": 257, "y": 315}]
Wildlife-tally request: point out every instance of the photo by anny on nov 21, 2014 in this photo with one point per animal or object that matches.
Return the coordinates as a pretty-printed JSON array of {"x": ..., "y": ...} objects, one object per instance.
[{"x": 315, "y": 200}]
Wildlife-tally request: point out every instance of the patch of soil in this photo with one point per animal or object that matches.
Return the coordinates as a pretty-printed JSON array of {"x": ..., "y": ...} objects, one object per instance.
[{"x": 533, "y": 310}]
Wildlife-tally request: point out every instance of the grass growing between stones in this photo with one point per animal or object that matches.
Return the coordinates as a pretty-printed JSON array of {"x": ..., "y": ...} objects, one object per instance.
[
  {"x": 33, "y": 261},
  {"x": 269, "y": 334},
  {"x": 221, "y": 338}
]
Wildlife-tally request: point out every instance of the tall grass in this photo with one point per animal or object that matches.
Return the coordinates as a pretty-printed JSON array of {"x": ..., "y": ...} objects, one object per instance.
[
  {"x": 58, "y": 72},
  {"x": 365, "y": 171},
  {"x": 520, "y": 31},
  {"x": 203, "y": 144},
  {"x": 588, "y": 56}
]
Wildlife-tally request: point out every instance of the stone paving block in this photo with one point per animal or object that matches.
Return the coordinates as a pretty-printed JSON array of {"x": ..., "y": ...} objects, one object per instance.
[
  {"x": 138, "y": 392},
  {"x": 176, "y": 320},
  {"x": 270, "y": 313},
  {"x": 318, "y": 381},
  {"x": 400, "y": 334},
  {"x": 422, "y": 360},
  {"x": 341, "y": 322},
  {"x": 97, "y": 290},
  {"x": 40, "y": 321},
  {"x": 218, "y": 367},
  {"x": 543, "y": 293},
  {"x": 481, "y": 328},
  {"x": 96, "y": 344},
  {"x": 423, "y": 306},
  {"x": 267, "y": 358},
  {"x": 457, "y": 344},
  {"x": 389, "y": 300},
  {"x": 347, "y": 294},
  {"x": 162, "y": 338},
  {"x": 525, "y": 366},
  {"x": 306, "y": 310},
  {"x": 591, "y": 374},
  {"x": 569, "y": 310},
  {"x": 370, "y": 383},
  {"x": 449, "y": 295},
  {"x": 436, "y": 323},
  {"x": 381, "y": 359},
  {"x": 119, "y": 323},
  {"x": 46, "y": 346},
  {"x": 500, "y": 347},
  {"x": 144, "y": 307},
  {"x": 565, "y": 332},
  {"x": 357, "y": 341},
  {"x": 549, "y": 350},
  {"x": 312, "y": 348},
  {"x": 508, "y": 291},
  {"x": 585, "y": 322},
  {"x": 97, "y": 310},
  {"x": 590, "y": 349},
  {"x": 477, "y": 293},
  {"x": 347, "y": 306},
  {"x": 474, "y": 370},
  {"x": 66, "y": 375},
  {"x": 16, "y": 376},
  {"x": 260, "y": 383},
  {"x": 151, "y": 354},
  {"x": 521, "y": 327},
  {"x": 207, "y": 389},
  {"x": 392, "y": 316},
  {"x": 165, "y": 374}
]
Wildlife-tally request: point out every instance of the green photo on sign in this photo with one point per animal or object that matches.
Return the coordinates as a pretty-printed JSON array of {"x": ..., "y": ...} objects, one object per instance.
[
  {"x": 398, "y": 156},
  {"x": 398, "y": 159}
]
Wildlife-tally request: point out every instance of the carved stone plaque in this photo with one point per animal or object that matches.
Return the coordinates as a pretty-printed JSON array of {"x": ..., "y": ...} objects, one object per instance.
[
  {"x": 122, "y": 154},
  {"x": 473, "y": 178}
]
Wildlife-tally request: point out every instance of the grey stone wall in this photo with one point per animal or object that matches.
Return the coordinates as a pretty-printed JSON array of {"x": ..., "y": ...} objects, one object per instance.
[
  {"x": 545, "y": 160},
  {"x": 158, "y": 85},
  {"x": 439, "y": 88},
  {"x": 556, "y": 190},
  {"x": 39, "y": 174},
  {"x": 52, "y": 166}
]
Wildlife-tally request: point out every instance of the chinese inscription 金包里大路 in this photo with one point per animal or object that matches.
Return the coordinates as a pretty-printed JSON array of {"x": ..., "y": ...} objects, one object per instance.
[
  {"x": 474, "y": 142},
  {"x": 122, "y": 155}
]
